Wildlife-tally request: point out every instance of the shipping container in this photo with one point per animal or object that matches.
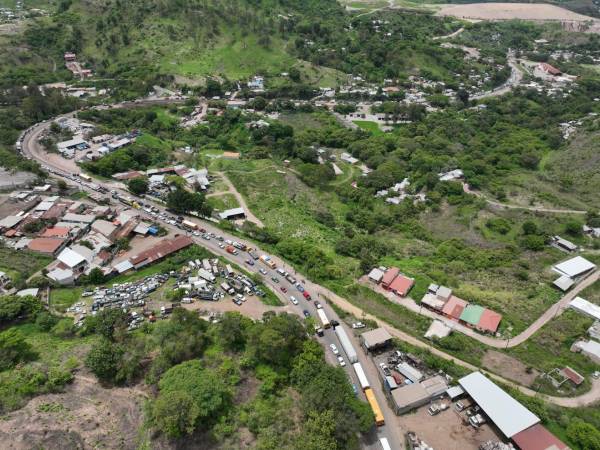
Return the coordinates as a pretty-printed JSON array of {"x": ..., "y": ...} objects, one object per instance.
[
  {"x": 346, "y": 343},
  {"x": 229, "y": 270},
  {"x": 206, "y": 275}
]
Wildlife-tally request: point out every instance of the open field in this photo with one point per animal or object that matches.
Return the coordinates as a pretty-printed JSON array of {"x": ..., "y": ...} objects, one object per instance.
[
  {"x": 367, "y": 125},
  {"x": 509, "y": 11}
]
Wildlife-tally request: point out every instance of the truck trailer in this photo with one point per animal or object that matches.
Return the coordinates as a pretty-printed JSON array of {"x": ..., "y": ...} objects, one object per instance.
[
  {"x": 346, "y": 344},
  {"x": 324, "y": 319}
]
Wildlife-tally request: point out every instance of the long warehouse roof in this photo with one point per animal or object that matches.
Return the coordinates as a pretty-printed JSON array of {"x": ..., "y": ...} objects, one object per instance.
[{"x": 510, "y": 416}]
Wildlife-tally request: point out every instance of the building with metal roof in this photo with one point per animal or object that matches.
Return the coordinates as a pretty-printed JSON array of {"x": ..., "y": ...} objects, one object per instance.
[
  {"x": 454, "y": 307},
  {"x": 232, "y": 214},
  {"x": 510, "y": 416},
  {"x": 538, "y": 437},
  {"x": 401, "y": 285},
  {"x": 591, "y": 349},
  {"x": 574, "y": 267},
  {"x": 564, "y": 283},
  {"x": 376, "y": 275},
  {"x": 489, "y": 321},
  {"x": 389, "y": 276},
  {"x": 71, "y": 258},
  {"x": 583, "y": 306},
  {"x": 472, "y": 314},
  {"x": 409, "y": 397},
  {"x": 374, "y": 339}
]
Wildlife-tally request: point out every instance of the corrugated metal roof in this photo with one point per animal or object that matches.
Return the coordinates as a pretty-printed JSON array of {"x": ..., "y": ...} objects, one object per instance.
[
  {"x": 510, "y": 416},
  {"x": 376, "y": 337},
  {"x": 454, "y": 307},
  {"x": 472, "y": 314},
  {"x": 489, "y": 321},
  {"x": 574, "y": 267},
  {"x": 585, "y": 307},
  {"x": 538, "y": 437}
]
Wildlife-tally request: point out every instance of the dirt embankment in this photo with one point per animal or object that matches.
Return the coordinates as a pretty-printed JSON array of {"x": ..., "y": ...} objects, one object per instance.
[
  {"x": 85, "y": 416},
  {"x": 523, "y": 11}
]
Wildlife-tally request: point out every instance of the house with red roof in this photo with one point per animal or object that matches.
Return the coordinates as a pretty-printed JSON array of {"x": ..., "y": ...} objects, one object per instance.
[
  {"x": 489, "y": 321},
  {"x": 389, "y": 276},
  {"x": 401, "y": 285},
  {"x": 454, "y": 307}
]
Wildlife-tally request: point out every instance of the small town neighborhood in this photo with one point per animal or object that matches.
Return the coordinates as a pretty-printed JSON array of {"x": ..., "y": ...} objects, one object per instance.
[{"x": 320, "y": 225}]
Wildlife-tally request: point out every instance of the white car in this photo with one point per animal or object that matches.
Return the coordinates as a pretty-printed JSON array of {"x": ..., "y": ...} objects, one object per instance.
[
  {"x": 262, "y": 271},
  {"x": 341, "y": 361},
  {"x": 293, "y": 300},
  {"x": 357, "y": 325},
  {"x": 334, "y": 349}
]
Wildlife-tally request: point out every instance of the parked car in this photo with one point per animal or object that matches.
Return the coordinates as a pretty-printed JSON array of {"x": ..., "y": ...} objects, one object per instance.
[
  {"x": 283, "y": 289},
  {"x": 357, "y": 325},
  {"x": 293, "y": 300},
  {"x": 334, "y": 349},
  {"x": 318, "y": 305},
  {"x": 249, "y": 262},
  {"x": 306, "y": 313},
  {"x": 341, "y": 361},
  {"x": 262, "y": 271},
  {"x": 275, "y": 279},
  {"x": 300, "y": 287}
]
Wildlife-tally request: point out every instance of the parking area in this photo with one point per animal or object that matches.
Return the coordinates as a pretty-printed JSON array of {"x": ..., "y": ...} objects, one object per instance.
[{"x": 448, "y": 430}]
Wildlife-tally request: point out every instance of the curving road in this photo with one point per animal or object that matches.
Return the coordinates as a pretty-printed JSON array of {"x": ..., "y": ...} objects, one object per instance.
[
  {"x": 32, "y": 149},
  {"x": 515, "y": 78}
]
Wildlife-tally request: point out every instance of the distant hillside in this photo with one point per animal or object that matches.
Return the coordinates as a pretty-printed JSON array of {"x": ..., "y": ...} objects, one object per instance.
[{"x": 141, "y": 41}]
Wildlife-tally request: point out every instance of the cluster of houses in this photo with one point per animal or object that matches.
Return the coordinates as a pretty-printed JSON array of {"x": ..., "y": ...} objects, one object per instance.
[
  {"x": 196, "y": 179},
  {"x": 441, "y": 300},
  {"x": 392, "y": 280},
  {"x": 398, "y": 192},
  {"x": 83, "y": 140},
  {"x": 78, "y": 236},
  {"x": 75, "y": 67}
]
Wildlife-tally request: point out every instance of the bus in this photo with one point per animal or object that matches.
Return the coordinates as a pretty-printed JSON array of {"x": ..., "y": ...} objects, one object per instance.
[
  {"x": 379, "y": 420},
  {"x": 85, "y": 177}
]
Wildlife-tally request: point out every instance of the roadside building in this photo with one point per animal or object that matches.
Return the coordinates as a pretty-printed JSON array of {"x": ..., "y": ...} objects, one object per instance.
[
  {"x": 509, "y": 416},
  {"x": 9, "y": 222},
  {"x": 389, "y": 276},
  {"x": 77, "y": 143},
  {"x": 69, "y": 258},
  {"x": 454, "y": 307},
  {"x": 489, "y": 321},
  {"x": 62, "y": 276},
  {"x": 375, "y": 339},
  {"x": 233, "y": 214},
  {"x": 575, "y": 267},
  {"x": 56, "y": 232},
  {"x": 591, "y": 349},
  {"x": 84, "y": 219},
  {"x": 584, "y": 307},
  {"x": 537, "y": 437},
  {"x": 376, "y": 275},
  {"x": 401, "y": 285},
  {"x": 32, "y": 292},
  {"x": 471, "y": 315},
  {"x": 46, "y": 245},
  {"x": 105, "y": 228},
  {"x": 165, "y": 248},
  {"x": 408, "y": 398}
]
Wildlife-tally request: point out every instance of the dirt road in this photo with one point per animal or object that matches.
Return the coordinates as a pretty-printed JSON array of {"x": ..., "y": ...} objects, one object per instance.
[
  {"x": 232, "y": 190},
  {"x": 479, "y": 194}
]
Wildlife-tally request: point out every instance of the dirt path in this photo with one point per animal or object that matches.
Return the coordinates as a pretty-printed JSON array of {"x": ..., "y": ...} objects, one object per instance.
[
  {"x": 232, "y": 190},
  {"x": 555, "y": 310},
  {"x": 479, "y": 194},
  {"x": 449, "y": 36}
]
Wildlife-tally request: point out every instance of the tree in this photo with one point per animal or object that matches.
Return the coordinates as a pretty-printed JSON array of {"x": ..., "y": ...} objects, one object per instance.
[
  {"x": 294, "y": 74},
  {"x": 585, "y": 435},
  {"x": 13, "y": 308},
  {"x": 529, "y": 227},
  {"x": 109, "y": 323},
  {"x": 181, "y": 201},
  {"x": 175, "y": 413},
  {"x": 463, "y": 96},
  {"x": 574, "y": 227},
  {"x": 62, "y": 186},
  {"x": 200, "y": 391},
  {"x": 104, "y": 359},
  {"x": 13, "y": 349},
  {"x": 138, "y": 185}
]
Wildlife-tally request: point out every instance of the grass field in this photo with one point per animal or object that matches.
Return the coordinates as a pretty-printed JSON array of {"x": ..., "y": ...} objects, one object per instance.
[
  {"x": 62, "y": 298},
  {"x": 222, "y": 202},
  {"x": 369, "y": 126},
  {"x": 20, "y": 265}
]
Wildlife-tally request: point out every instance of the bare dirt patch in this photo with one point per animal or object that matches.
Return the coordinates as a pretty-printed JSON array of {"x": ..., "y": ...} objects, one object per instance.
[
  {"x": 86, "y": 415},
  {"x": 508, "y": 11},
  {"x": 446, "y": 430},
  {"x": 252, "y": 307},
  {"x": 511, "y": 368}
]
